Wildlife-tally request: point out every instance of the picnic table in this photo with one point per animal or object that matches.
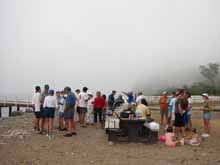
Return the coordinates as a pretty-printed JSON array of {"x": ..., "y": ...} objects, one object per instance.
[{"x": 132, "y": 130}]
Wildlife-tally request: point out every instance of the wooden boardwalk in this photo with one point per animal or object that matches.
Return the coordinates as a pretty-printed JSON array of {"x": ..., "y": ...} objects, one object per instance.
[
  {"x": 17, "y": 104},
  {"x": 152, "y": 100}
]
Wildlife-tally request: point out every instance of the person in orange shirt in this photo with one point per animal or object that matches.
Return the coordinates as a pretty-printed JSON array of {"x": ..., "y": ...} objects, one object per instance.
[{"x": 163, "y": 108}]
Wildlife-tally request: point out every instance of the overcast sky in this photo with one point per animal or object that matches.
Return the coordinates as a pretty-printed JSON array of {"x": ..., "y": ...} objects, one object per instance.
[{"x": 116, "y": 44}]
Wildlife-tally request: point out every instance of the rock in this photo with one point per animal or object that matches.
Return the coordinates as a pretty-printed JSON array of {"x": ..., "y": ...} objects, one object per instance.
[
  {"x": 21, "y": 137},
  {"x": 111, "y": 143},
  {"x": 203, "y": 154}
]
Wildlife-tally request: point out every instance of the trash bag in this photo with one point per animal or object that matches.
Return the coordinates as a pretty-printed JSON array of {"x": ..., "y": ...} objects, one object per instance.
[{"x": 153, "y": 126}]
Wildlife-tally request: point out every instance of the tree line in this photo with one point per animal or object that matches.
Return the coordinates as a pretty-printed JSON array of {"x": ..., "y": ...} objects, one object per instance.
[{"x": 210, "y": 83}]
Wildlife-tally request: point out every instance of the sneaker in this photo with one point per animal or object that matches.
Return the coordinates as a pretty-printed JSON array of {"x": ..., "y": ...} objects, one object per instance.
[
  {"x": 205, "y": 135},
  {"x": 68, "y": 135},
  {"x": 63, "y": 129},
  {"x": 74, "y": 133}
]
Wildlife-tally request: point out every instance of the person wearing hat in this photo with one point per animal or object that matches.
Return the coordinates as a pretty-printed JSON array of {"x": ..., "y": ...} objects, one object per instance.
[
  {"x": 111, "y": 100},
  {"x": 69, "y": 112},
  {"x": 163, "y": 108},
  {"x": 44, "y": 94},
  {"x": 50, "y": 104},
  {"x": 77, "y": 93},
  {"x": 98, "y": 105},
  {"x": 130, "y": 97},
  {"x": 206, "y": 113},
  {"x": 139, "y": 98},
  {"x": 61, "y": 106},
  {"x": 37, "y": 107},
  {"x": 83, "y": 103},
  {"x": 90, "y": 114},
  {"x": 179, "y": 110}
]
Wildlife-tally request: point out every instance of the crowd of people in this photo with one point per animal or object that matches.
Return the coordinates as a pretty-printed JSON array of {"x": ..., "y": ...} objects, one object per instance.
[
  {"x": 175, "y": 109},
  {"x": 176, "y": 116}
]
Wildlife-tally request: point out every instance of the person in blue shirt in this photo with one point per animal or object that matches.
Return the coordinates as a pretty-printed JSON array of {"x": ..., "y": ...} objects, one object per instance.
[
  {"x": 111, "y": 100},
  {"x": 170, "y": 107},
  {"x": 130, "y": 96},
  {"x": 69, "y": 112}
]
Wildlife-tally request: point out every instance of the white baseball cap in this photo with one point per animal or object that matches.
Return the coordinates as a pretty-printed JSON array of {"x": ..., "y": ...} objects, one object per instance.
[
  {"x": 164, "y": 93},
  {"x": 205, "y": 95},
  {"x": 90, "y": 93}
]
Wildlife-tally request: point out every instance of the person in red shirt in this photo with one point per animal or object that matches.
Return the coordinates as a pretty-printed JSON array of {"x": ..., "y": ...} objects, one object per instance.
[
  {"x": 98, "y": 106},
  {"x": 163, "y": 108}
]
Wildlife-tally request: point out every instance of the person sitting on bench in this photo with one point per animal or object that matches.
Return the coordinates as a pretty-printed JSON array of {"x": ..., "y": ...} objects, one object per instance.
[{"x": 142, "y": 110}]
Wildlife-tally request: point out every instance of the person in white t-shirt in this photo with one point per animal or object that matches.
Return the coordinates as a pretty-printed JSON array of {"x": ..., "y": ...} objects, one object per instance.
[
  {"x": 90, "y": 113},
  {"x": 36, "y": 103},
  {"x": 61, "y": 107},
  {"x": 77, "y": 93},
  {"x": 83, "y": 103},
  {"x": 171, "y": 109},
  {"x": 139, "y": 98},
  {"x": 50, "y": 104}
]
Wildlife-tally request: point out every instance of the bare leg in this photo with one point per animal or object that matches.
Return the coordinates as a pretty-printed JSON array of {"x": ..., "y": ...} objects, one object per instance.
[
  {"x": 166, "y": 120},
  {"x": 73, "y": 126},
  {"x": 182, "y": 131},
  {"x": 36, "y": 121},
  {"x": 61, "y": 123},
  {"x": 46, "y": 125},
  {"x": 205, "y": 129},
  {"x": 41, "y": 125},
  {"x": 162, "y": 118},
  {"x": 80, "y": 118},
  {"x": 51, "y": 125},
  {"x": 208, "y": 126},
  {"x": 69, "y": 123}
]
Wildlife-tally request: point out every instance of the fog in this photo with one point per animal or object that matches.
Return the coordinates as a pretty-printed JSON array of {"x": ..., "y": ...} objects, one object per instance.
[{"x": 105, "y": 45}]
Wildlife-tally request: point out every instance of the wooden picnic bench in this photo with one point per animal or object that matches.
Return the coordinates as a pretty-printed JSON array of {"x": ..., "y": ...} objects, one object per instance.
[{"x": 132, "y": 130}]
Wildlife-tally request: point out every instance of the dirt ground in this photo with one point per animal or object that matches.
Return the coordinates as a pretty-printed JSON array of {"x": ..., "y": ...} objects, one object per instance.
[{"x": 19, "y": 144}]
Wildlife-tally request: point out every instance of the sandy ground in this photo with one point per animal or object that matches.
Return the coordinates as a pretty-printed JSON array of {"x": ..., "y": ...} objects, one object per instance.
[{"x": 19, "y": 144}]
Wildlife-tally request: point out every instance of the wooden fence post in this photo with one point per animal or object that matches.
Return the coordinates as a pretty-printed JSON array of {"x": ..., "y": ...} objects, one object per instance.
[
  {"x": 10, "y": 110},
  {"x": 18, "y": 108}
]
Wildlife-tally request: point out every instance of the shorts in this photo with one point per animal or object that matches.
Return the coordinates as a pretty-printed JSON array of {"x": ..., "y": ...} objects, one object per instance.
[
  {"x": 61, "y": 114},
  {"x": 37, "y": 114},
  {"x": 164, "y": 112},
  {"x": 69, "y": 113},
  {"x": 185, "y": 117},
  {"x": 83, "y": 110},
  {"x": 179, "y": 120},
  {"x": 42, "y": 109},
  {"x": 78, "y": 109},
  {"x": 49, "y": 112},
  {"x": 206, "y": 115}
]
